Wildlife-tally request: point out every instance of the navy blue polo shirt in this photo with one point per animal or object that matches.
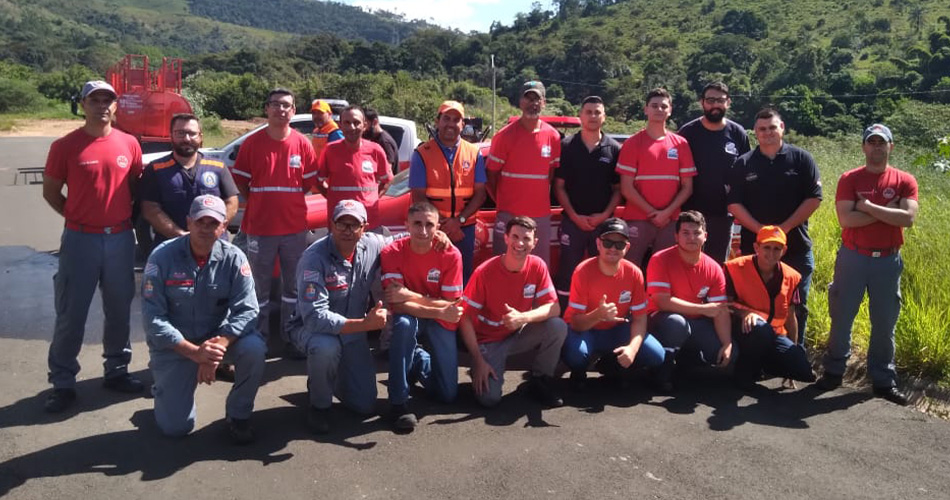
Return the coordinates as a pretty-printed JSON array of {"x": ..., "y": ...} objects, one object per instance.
[
  {"x": 589, "y": 175},
  {"x": 772, "y": 189},
  {"x": 173, "y": 187},
  {"x": 714, "y": 152}
]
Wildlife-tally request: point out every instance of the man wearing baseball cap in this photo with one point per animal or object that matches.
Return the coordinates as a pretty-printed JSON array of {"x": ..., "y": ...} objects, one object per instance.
[
  {"x": 450, "y": 173},
  {"x": 200, "y": 310},
  {"x": 874, "y": 203},
  {"x": 99, "y": 166},
  {"x": 763, "y": 291},
  {"x": 325, "y": 130},
  {"x": 520, "y": 166},
  {"x": 607, "y": 309}
]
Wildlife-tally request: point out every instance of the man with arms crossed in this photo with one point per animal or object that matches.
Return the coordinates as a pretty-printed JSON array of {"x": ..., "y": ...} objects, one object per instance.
[{"x": 874, "y": 203}]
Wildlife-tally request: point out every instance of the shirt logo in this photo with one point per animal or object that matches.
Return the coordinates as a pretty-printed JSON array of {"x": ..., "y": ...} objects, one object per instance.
[
  {"x": 148, "y": 290},
  {"x": 122, "y": 161},
  {"x": 433, "y": 275},
  {"x": 565, "y": 240},
  {"x": 295, "y": 161},
  {"x": 625, "y": 296},
  {"x": 151, "y": 269},
  {"x": 703, "y": 292},
  {"x": 672, "y": 154},
  {"x": 367, "y": 166},
  {"x": 791, "y": 172},
  {"x": 889, "y": 193},
  {"x": 545, "y": 151},
  {"x": 246, "y": 270},
  {"x": 529, "y": 291},
  {"x": 309, "y": 275},
  {"x": 604, "y": 159},
  {"x": 466, "y": 166},
  {"x": 731, "y": 148},
  {"x": 310, "y": 292},
  {"x": 209, "y": 179},
  {"x": 751, "y": 176},
  {"x": 178, "y": 275}
]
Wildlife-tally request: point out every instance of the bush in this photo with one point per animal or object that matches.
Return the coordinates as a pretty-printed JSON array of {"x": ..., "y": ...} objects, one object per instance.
[
  {"x": 18, "y": 95},
  {"x": 919, "y": 123}
]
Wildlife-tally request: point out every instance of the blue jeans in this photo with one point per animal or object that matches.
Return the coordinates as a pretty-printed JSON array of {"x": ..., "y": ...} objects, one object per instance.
[
  {"x": 176, "y": 378},
  {"x": 86, "y": 261},
  {"x": 764, "y": 350},
  {"x": 805, "y": 265},
  {"x": 881, "y": 278},
  {"x": 438, "y": 373},
  {"x": 689, "y": 339},
  {"x": 580, "y": 347}
]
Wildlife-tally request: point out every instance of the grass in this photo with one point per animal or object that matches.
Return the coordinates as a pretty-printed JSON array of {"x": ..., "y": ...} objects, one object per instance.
[{"x": 923, "y": 336}]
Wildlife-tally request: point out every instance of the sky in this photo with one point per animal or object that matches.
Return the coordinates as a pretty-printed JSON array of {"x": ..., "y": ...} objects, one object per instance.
[{"x": 465, "y": 15}]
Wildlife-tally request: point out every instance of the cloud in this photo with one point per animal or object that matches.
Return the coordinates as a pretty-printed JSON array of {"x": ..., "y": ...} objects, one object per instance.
[{"x": 465, "y": 15}]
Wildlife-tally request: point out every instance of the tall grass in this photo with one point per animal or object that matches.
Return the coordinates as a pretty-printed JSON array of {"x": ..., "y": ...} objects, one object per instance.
[{"x": 923, "y": 335}]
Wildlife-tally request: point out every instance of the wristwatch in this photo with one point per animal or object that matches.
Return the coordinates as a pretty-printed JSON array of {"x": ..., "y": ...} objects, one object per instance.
[{"x": 462, "y": 219}]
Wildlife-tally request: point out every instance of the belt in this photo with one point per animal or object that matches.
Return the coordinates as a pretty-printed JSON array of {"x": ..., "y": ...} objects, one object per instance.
[
  {"x": 873, "y": 252},
  {"x": 83, "y": 228}
]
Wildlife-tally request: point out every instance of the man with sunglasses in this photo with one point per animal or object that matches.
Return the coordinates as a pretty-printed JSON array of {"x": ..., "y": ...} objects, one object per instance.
[
  {"x": 607, "y": 310},
  {"x": 274, "y": 170},
  {"x": 715, "y": 142}
]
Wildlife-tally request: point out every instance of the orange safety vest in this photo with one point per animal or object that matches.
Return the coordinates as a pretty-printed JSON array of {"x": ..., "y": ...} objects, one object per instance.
[
  {"x": 449, "y": 189},
  {"x": 751, "y": 293},
  {"x": 319, "y": 137}
]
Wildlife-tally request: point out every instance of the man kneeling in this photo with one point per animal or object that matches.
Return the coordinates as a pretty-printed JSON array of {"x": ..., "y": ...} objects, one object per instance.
[{"x": 199, "y": 309}]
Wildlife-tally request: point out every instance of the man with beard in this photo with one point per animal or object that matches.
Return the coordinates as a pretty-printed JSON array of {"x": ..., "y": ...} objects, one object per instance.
[
  {"x": 325, "y": 130},
  {"x": 375, "y": 132},
  {"x": 169, "y": 184},
  {"x": 715, "y": 142}
]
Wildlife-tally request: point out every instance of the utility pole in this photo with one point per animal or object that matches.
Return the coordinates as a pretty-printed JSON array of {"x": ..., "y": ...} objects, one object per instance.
[{"x": 493, "y": 91}]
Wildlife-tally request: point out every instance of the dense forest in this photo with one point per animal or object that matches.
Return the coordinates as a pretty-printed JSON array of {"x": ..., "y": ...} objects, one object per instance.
[{"x": 831, "y": 65}]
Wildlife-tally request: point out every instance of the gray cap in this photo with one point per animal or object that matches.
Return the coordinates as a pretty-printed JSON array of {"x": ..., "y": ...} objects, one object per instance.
[
  {"x": 533, "y": 86},
  {"x": 208, "y": 205},
  {"x": 94, "y": 85},
  {"x": 613, "y": 225},
  {"x": 350, "y": 207},
  {"x": 879, "y": 130}
]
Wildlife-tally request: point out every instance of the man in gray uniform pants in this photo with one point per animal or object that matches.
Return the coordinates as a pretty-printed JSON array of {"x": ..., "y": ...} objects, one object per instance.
[{"x": 199, "y": 309}]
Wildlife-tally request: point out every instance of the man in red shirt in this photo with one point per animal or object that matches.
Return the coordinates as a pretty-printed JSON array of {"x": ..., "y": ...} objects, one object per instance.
[
  {"x": 520, "y": 167},
  {"x": 354, "y": 168},
  {"x": 874, "y": 203},
  {"x": 433, "y": 278},
  {"x": 607, "y": 308},
  {"x": 274, "y": 170},
  {"x": 99, "y": 166},
  {"x": 687, "y": 299},
  {"x": 656, "y": 177},
  {"x": 511, "y": 307}
]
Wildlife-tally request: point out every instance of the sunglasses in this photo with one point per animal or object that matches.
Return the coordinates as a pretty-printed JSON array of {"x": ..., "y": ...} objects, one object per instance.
[{"x": 617, "y": 244}]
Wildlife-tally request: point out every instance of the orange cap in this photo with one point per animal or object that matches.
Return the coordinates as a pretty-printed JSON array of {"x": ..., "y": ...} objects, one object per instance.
[
  {"x": 319, "y": 105},
  {"x": 771, "y": 233},
  {"x": 452, "y": 105}
]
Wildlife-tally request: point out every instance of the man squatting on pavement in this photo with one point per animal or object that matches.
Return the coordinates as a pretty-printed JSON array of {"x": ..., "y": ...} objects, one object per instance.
[
  {"x": 274, "y": 170},
  {"x": 607, "y": 310},
  {"x": 520, "y": 165},
  {"x": 715, "y": 142},
  {"x": 588, "y": 189},
  {"x": 874, "y": 203},
  {"x": 199, "y": 309},
  {"x": 99, "y": 165},
  {"x": 510, "y": 308}
]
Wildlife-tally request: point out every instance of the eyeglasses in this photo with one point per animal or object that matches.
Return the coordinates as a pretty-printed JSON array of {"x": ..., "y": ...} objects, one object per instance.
[
  {"x": 617, "y": 244},
  {"x": 180, "y": 134},
  {"x": 347, "y": 226},
  {"x": 715, "y": 100},
  {"x": 280, "y": 105}
]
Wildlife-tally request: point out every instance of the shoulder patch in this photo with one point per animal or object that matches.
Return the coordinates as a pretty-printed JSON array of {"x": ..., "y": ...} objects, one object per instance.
[
  {"x": 212, "y": 163},
  {"x": 164, "y": 164}
]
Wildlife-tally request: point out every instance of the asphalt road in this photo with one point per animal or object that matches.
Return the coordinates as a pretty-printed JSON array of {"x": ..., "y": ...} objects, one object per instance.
[{"x": 708, "y": 441}]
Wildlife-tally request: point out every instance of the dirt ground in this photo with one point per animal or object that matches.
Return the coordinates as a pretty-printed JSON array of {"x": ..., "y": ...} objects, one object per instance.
[{"x": 59, "y": 128}]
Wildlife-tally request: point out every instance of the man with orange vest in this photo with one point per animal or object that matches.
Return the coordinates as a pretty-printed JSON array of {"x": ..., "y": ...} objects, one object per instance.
[
  {"x": 458, "y": 192},
  {"x": 325, "y": 130},
  {"x": 764, "y": 293}
]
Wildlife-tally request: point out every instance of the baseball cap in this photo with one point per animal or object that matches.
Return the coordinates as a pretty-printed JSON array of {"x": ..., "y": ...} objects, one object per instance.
[
  {"x": 770, "y": 234},
  {"x": 533, "y": 86},
  {"x": 613, "y": 225},
  {"x": 94, "y": 85},
  {"x": 350, "y": 207},
  {"x": 452, "y": 105},
  {"x": 207, "y": 205},
  {"x": 879, "y": 130},
  {"x": 319, "y": 105}
]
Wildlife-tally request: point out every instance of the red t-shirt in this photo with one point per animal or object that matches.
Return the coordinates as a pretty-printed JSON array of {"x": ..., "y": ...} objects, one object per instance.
[
  {"x": 880, "y": 189},
  {"x": 525, "y": 159},
  {"x": 492, "y": 286},
  {"x": 657, "y": 167},
  {"x": 96, "y": 171},
  {"x": 667, "y": 273},
  {"x": 354, "y": 175},
  {"x": 279, "y": 174},
  {"x": 435, "y": 274},
  {"x": 589, "y": 285}
]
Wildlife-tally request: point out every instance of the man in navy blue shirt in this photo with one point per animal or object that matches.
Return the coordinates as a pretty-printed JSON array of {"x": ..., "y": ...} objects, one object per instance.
[{"x": 715, "y": 142}]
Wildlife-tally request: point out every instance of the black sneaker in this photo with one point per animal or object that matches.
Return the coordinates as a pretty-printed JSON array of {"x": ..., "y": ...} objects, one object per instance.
[
  {"x": 318, "y": 420},
  {"x": 291, "y": 351},
  {"x": 892, "y": 394},
  {"x": 59, "y": 400},
  {"x": 828, "y": 382},
  {"x": 123, "y": 383},
  {"x": 540, "y": 390},
  {"x": 578, "y": 380},
  {"x": 403, "y": 419},
  {"x": 241, "y": 431}
]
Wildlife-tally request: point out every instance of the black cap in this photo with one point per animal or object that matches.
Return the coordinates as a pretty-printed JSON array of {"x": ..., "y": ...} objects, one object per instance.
[{"x": 613, "y": 225}]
